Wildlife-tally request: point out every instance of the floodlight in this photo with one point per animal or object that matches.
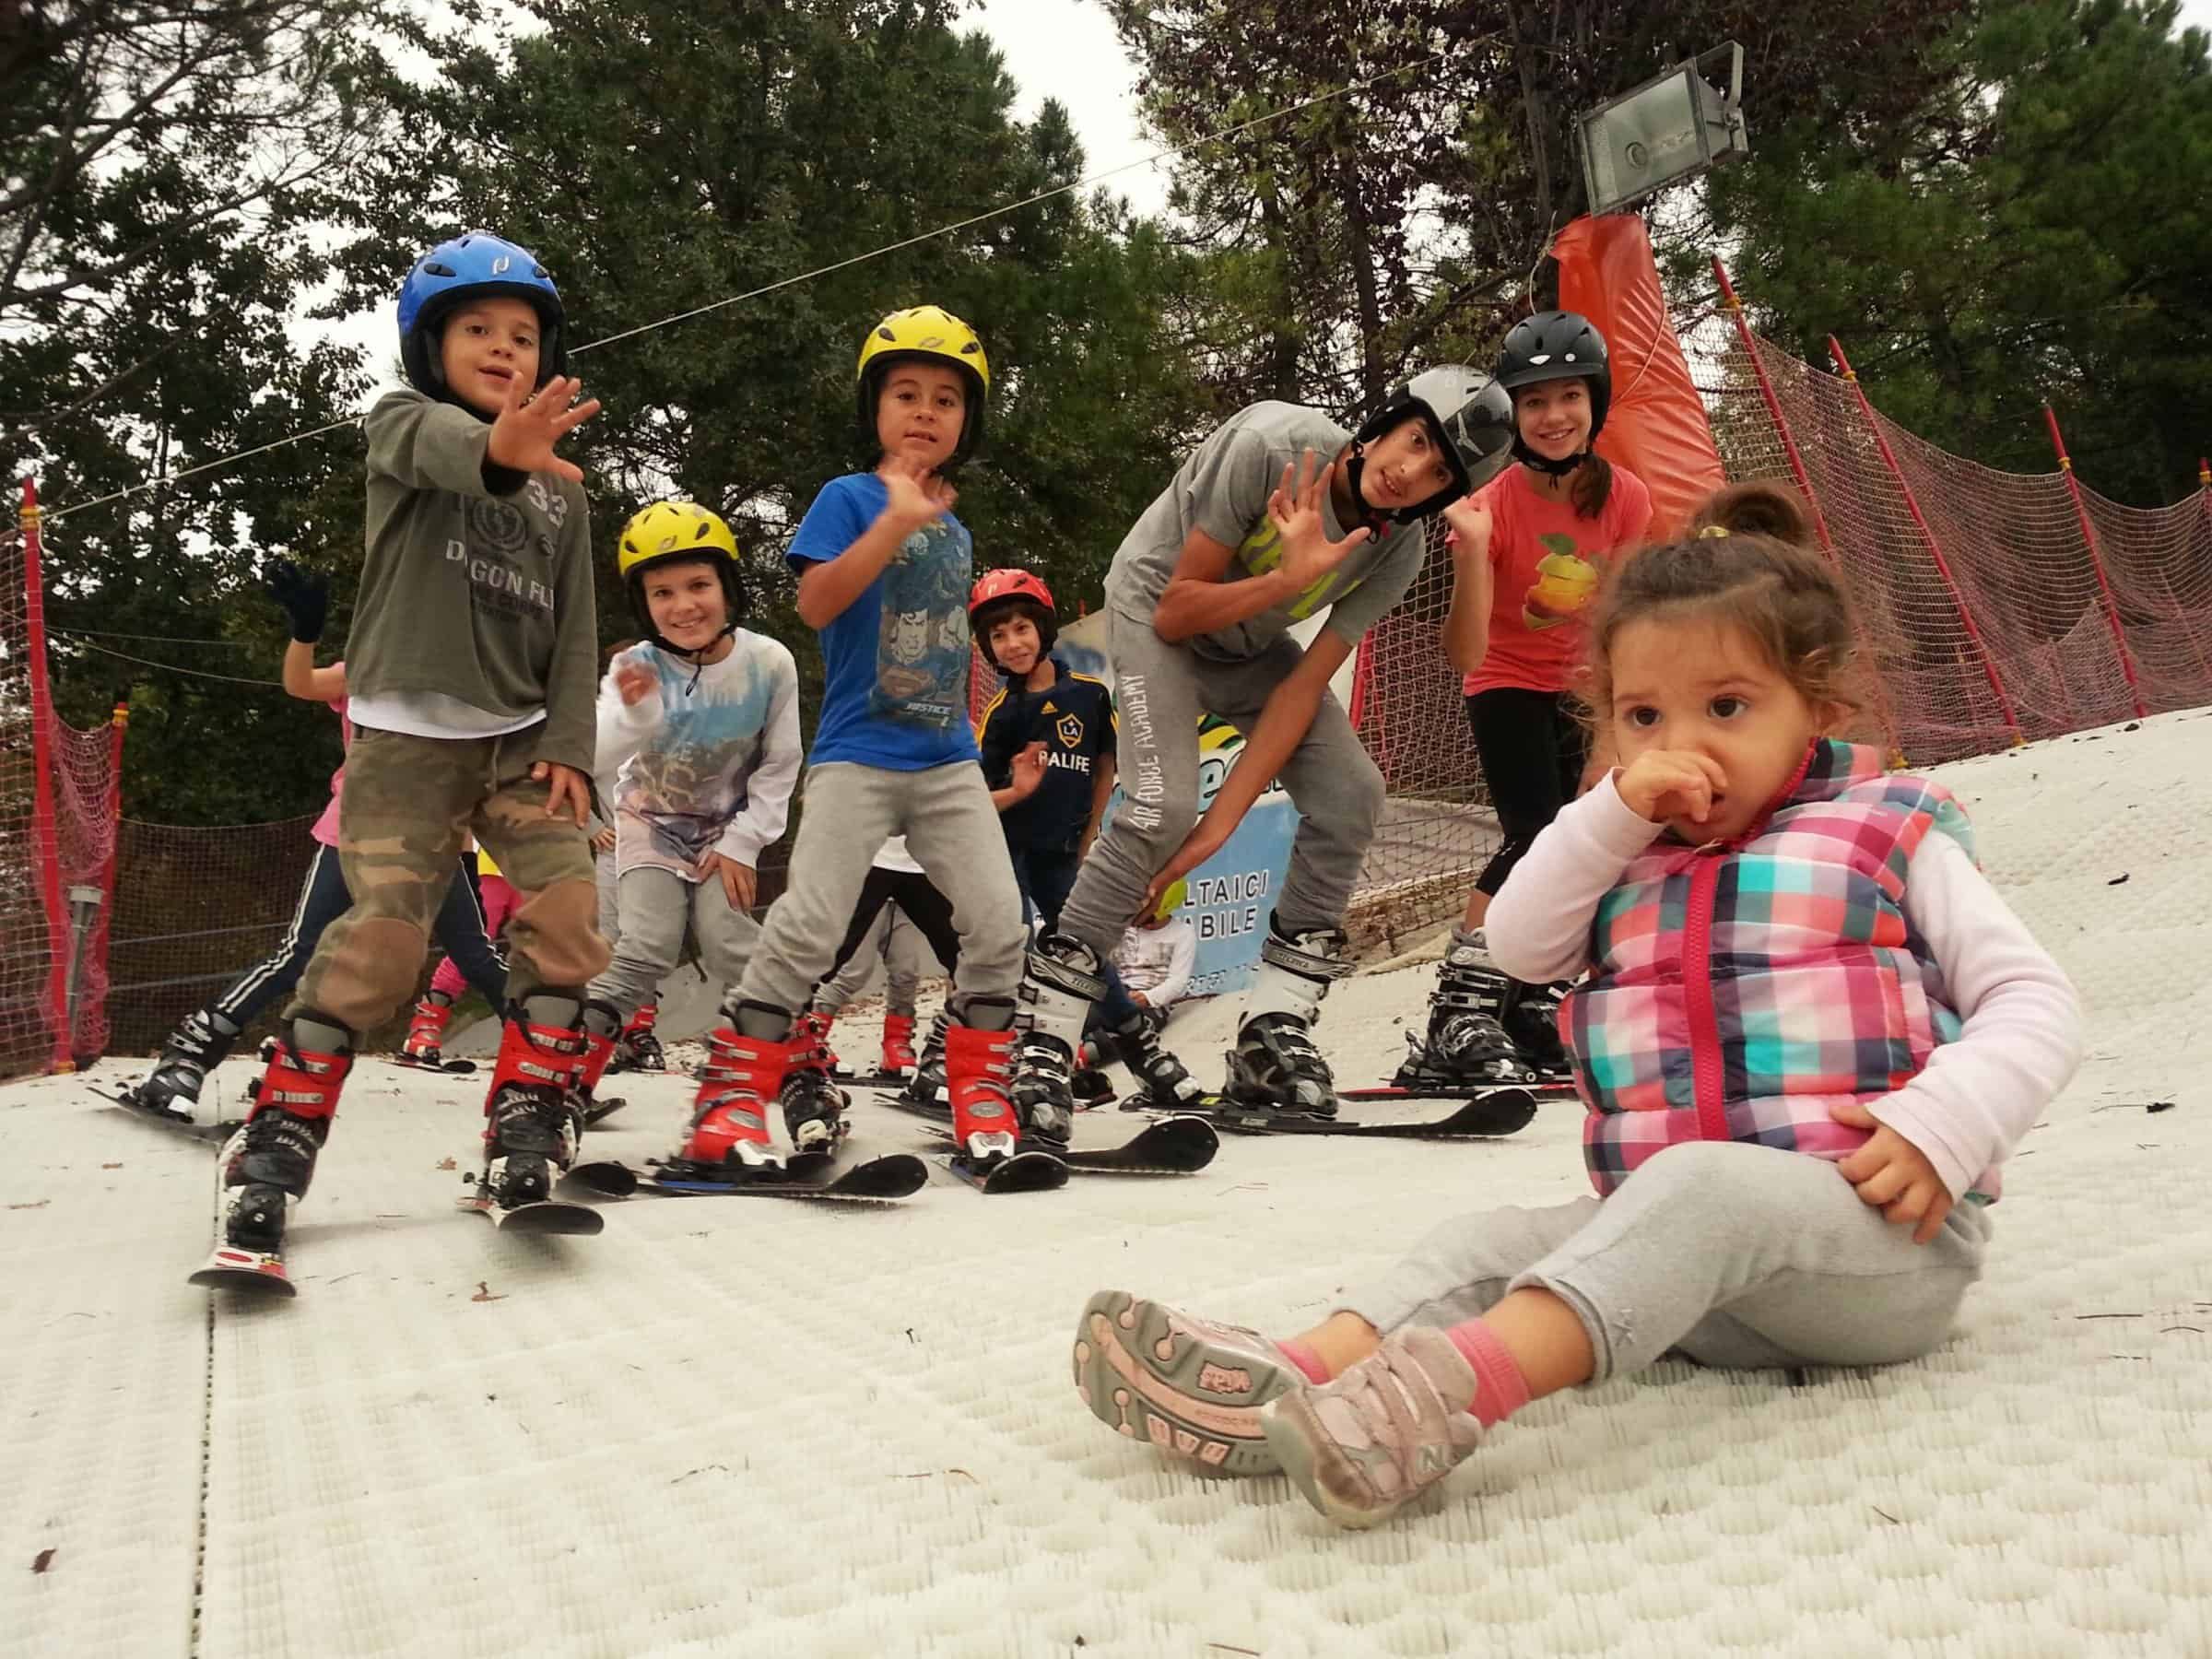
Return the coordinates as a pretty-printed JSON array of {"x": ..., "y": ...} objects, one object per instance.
[{"x": 1671, "y": 128}]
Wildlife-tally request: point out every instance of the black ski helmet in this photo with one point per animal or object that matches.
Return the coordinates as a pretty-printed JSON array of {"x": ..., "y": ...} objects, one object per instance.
[
  {"x": 1556, "y": 346},
  {"x": 1469, "y": 415}
]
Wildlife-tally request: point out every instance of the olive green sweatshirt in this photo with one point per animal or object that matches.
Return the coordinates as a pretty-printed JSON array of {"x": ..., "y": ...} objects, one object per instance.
[{"x": 477, "y": 582}]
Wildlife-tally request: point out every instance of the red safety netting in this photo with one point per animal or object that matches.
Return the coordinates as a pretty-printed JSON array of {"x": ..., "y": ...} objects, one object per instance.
[
  {"x": 1982, "y": 598},
  {"x": 57, "y": 842},
  {"x": 1985, "y": 616}
]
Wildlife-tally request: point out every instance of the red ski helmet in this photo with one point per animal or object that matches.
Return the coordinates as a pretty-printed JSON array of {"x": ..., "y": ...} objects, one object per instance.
[{"x": 994, "y": 595}]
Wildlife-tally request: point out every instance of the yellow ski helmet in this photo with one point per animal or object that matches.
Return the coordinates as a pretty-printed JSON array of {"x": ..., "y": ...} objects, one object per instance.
[
  {"x": 664, "y": 533},
  {"x": 927, "y": 331}
]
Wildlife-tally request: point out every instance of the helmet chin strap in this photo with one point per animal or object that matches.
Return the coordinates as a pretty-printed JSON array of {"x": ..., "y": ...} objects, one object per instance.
[
  {"x": 1373, "y": 518},
  {"x": 698, "y": 659},
  {"x": 1548, "y": 468}
]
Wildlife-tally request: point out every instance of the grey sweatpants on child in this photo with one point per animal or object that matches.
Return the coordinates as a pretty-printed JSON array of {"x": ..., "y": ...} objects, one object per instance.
[
  {"x": 657, "y": 906},
  {"x": 1736, "y": 1255},
  {"x": 951, "y": 830},
  {"x": 898, "y": 942},
  {"x": 1161, "y": 690}
]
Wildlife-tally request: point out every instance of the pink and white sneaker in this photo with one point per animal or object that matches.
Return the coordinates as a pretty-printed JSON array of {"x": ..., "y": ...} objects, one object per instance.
[
  {"x": 1394, "y": 1424},
  {"x": 1192, "y": 1387}
]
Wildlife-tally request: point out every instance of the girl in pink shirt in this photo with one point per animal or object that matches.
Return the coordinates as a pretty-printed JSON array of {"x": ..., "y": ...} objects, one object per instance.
[{"x": 1528, "y": 551}]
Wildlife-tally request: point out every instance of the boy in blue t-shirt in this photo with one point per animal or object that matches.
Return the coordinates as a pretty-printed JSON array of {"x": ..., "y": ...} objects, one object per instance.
[
  {"x": 1046, "y": 739},
  {"x": 883, "y": 570}
]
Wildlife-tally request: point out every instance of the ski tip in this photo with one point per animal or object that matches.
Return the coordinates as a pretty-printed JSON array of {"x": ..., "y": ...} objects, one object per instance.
[
  {"x": 252, "y": 1271},
  {"x": 608, "y": 1179}
]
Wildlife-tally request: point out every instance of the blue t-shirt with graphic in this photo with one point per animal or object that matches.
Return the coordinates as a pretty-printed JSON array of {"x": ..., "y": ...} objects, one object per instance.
[{"x": 896, "y": 661}]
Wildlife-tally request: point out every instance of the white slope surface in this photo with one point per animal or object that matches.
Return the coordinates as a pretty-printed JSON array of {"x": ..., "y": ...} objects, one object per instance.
[{"x": 746, "y": 1427}]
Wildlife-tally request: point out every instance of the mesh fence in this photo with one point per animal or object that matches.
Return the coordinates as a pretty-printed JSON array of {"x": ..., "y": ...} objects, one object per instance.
[
  {"x": 57, "y": 846},
  {"x": 194, "y": 908}
]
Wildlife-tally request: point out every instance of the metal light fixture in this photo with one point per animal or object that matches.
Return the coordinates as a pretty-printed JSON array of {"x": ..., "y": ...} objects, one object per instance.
[{"x": 1671, "y": 128}]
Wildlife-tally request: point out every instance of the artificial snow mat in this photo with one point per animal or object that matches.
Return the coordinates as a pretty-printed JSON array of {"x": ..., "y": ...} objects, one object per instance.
[{"x": 726, "y": 1428}]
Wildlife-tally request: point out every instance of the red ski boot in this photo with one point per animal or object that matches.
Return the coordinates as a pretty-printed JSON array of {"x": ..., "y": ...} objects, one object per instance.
[
  {"x": 637, "y": 1049},
  {"x": 743, "y": 1077},
  {"x": 899, "y": 1045},
  {"x": 426, "y": 1031},
  {"x": 979, "y": 1069},
  {"x": 814, "y": 1107},
  {"x": 532, "y": 1115},
  {"x": 271, "y": 1160}
]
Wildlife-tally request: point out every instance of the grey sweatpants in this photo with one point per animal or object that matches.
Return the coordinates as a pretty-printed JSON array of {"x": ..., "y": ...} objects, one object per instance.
[
  {"x": 898, "y": 942},
  {"x": 951, "y": 830},
  {"x": 1738, "y": 1255},
  {"x": 658, "y": 907},
  {"x": 1161, "y": 690}
]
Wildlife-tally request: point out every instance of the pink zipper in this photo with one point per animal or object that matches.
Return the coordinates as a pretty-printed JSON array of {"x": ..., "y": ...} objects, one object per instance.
[{"x": 1705, "y": 1068}]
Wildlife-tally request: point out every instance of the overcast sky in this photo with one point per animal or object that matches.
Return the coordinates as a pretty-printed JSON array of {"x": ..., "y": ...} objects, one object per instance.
[{"x": 1068, "y": 50}]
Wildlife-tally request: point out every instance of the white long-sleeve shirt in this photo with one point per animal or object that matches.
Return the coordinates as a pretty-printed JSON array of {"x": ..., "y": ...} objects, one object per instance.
[
  {"x": 1158, "y": 961},
  {"x": 1976, "y": 1097},
  {"x": 706, "y": 761}
]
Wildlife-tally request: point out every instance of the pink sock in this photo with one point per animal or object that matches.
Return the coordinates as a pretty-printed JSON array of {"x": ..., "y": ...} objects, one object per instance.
[
  {"x": 1307, "y": 1361},
  {"x": 1499, "y": 1388}
]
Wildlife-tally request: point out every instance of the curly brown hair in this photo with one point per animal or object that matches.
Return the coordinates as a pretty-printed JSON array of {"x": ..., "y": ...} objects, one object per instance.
[{"x": 1781, "y": 595}]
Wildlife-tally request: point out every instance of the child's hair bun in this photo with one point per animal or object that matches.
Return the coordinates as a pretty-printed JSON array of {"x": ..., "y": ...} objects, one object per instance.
[{"x": 1755, "y": 509}]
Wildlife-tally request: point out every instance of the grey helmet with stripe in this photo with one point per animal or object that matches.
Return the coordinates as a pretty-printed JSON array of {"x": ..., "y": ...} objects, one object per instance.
[{"x": 1468, "y": 413}]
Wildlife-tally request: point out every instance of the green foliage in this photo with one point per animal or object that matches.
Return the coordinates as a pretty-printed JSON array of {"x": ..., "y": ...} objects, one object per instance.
[
  {"x": 2037, "y": 229},
  {"x": 163, "y": 161},
  {"x": 1402, "y": 223},
  {"x": 659, "y": 160}
]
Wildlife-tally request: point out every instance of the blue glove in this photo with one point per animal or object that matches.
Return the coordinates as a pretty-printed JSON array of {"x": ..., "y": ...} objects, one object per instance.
[{"x": 304, "y": 595}]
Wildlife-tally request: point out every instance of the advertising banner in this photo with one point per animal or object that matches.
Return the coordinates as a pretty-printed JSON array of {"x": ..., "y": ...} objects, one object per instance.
[{"x": 1233, "y": 894}]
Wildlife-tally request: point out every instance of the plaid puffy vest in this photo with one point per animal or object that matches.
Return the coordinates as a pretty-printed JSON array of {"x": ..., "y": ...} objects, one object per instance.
[{"x": 1741, "y": 989}]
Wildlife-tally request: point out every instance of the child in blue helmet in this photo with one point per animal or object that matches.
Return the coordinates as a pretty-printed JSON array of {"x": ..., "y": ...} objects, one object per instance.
[{"x": 471, "y": 668}]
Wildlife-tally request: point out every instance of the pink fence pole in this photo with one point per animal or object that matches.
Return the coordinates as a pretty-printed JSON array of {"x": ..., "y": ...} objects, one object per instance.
[
  {"x": 1920, "y": 521},
  {"x": 2088, "y": 535}
]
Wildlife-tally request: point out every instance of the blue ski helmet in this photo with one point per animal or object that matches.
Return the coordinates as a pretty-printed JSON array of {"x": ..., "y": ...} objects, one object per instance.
[{"x": 473, "y": 267}]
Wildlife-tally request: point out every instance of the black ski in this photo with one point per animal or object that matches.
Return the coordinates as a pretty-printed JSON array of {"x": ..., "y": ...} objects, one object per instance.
[
  {"x": 1174, "y": 1145},
  {"x": 1179, "y": 1144},
  {"x": 260, "y": 1273},
  {"x": 600, "y": 1111},
  {"x": 1499, "y": 1112},
  {"x": 455, "y": 1069},
  {"x": 806, "y": 1176},
  {"x": 539, "y": 1216},
  {"x": 228, "y": 1268},
  {"x": 1012, "y": 1173},
  {"x": 1547, "y": 1088},
  {"x": 875, "y": 1079},
  {"x": 208, "y": 1135}
]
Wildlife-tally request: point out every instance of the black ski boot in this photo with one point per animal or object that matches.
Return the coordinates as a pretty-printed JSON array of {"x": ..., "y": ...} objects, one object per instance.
[
  {"x": 926, "y": 1086},
  {"x": 1466, "y": 1045},
  {"x": 534, "y": 1107},
  {"x": 1167, "y": 1082},
  {"x": 1274, "y": 1065},
  {"x": 1532, "y": 1022},
  {"x": 814, "y": 1107},
  {"x": 1060, "y": 981},
  {"x": 639, "y": 1051},
  {"x": 194, "y": 1049}
]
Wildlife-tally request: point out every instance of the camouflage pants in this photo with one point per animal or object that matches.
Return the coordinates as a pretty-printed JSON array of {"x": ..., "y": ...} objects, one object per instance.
[{"x": 407, "y": 804}]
